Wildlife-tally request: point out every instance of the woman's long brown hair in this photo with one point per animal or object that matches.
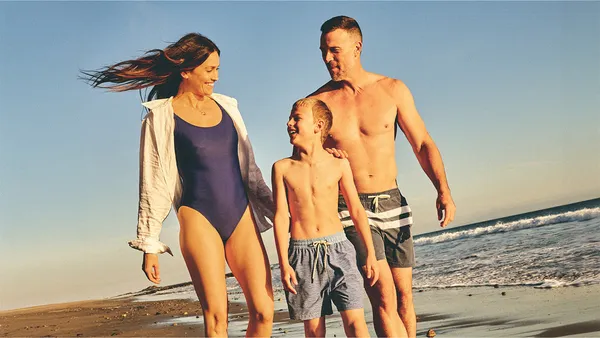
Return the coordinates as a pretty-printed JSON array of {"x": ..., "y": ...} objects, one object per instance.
[{"x": 160, "y": 69}]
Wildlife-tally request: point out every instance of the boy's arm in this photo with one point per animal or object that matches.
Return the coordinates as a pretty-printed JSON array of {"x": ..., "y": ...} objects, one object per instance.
[
  {"x": 281, "y": 226},
  {"x": 359, "y": 218}
]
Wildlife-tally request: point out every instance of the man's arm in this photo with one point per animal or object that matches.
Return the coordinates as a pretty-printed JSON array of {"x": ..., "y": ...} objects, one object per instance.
[
  {"x": 281, "y": 227},
  {"x": 359, "y": 218},
  {"x": 427, "y": 153}
]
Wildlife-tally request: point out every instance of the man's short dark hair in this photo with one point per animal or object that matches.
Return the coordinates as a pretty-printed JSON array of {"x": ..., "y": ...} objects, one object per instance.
[{"x": 341, "y": 22}]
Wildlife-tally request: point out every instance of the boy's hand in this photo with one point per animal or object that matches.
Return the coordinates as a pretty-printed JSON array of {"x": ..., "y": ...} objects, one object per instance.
[
  {"x": 371, "y": 269},
  {"x": 288, "y": 278}
]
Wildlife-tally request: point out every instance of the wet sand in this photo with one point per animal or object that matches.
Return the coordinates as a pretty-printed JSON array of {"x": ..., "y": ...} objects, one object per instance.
[{"x": 463, "y": 312}]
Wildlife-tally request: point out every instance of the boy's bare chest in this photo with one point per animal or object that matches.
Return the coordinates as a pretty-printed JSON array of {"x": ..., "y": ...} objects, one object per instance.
[{"x": 311, "y": 181}]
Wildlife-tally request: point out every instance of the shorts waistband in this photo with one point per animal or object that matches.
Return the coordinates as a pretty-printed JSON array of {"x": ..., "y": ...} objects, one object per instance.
[
  {"x": 368, "y": 196},
  {"x": 310, "y": 242},
  {"x": 371, "y": 195}
]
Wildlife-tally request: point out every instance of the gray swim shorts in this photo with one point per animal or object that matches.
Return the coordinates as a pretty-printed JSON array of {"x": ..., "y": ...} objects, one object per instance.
[
  {"x": 326, "y": 272},
  {"x": 390, "y": 219}
]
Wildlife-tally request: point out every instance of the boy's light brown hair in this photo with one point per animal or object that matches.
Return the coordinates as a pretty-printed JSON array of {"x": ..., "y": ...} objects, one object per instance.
[{"x": 320, "y": 112}]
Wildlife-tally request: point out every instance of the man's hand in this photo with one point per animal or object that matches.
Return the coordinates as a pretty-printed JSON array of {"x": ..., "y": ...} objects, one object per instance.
[
  {"x": 337, "y": 152},
  {"x": 445, "y": 208},
  {"x": 151, "y": 268},
  {"x": 371, "y": 269},
  {"x": 288, "y": 278}
]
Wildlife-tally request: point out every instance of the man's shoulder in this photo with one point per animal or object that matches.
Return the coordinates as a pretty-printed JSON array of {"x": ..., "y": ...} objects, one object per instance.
[
  {"x": 394, "y": 84},
  {"x": 387, "y": 81},
  {"x": 393, "y": 87},
  {"x": 323, "y": 91}
]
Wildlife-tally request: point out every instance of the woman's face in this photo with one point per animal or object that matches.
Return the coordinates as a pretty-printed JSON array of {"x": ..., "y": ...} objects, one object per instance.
[{"x": 202, "y": 79}]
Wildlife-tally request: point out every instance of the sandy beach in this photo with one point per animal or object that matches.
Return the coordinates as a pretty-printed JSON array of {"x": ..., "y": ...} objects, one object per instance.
[{"x": 458, "y": 312}]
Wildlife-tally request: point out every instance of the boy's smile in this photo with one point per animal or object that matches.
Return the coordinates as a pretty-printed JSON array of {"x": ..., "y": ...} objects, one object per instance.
[{"x": 300, "y": 125}]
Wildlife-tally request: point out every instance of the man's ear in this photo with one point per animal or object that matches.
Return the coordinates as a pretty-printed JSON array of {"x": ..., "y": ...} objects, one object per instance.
[{"x": 358, "y": 48}]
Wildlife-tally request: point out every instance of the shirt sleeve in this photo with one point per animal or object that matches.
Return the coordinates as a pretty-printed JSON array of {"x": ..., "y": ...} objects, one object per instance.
[
  {"x": 154, "y": 201},
  {"x": 263, "y": 192}
]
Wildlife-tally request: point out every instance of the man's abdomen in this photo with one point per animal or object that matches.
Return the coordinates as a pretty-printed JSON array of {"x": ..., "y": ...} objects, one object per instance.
[{"x": 373, "y": 169}]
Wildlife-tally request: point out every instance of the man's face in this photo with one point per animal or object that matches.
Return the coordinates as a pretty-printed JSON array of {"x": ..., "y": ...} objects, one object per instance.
[
  {"x": 301, "y": 125},
  {"x": 340, "y": 51}
]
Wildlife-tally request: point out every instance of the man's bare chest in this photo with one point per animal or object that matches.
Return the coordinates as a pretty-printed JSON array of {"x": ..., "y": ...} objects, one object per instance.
[{"x": 362, "y": 117}]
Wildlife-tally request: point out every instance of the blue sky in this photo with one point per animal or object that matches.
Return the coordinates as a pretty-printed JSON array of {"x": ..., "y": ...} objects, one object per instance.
[{"x": 509, "y": 91}]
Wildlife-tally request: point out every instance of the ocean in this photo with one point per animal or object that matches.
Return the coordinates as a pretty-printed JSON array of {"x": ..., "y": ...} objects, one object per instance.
[{"x": 554, "y": 247}]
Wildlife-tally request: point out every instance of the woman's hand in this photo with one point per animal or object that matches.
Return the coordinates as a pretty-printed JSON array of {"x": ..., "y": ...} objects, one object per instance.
[{"x": 151, "y": 268}]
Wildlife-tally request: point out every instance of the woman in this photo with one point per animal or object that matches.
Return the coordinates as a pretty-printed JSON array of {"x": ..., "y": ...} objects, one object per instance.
[{"x": 195, "y": 155}]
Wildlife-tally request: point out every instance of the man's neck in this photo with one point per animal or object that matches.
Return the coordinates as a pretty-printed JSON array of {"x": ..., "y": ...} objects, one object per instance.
[{"x": 355, "y": 80}]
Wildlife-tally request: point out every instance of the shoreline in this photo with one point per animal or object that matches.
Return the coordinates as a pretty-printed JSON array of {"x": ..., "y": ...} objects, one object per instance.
[{"x": 459, "y": 312}]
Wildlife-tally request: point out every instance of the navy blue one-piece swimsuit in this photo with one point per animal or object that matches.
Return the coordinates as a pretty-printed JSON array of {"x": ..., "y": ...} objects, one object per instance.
[{"x": 208, "y": 164}]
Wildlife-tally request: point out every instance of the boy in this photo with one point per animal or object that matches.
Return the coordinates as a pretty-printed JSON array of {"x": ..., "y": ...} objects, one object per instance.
[{"x": 319, "y": 265}]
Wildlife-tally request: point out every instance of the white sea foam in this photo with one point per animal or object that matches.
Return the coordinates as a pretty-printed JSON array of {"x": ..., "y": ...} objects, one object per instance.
[{"x": 570, "y": 216}]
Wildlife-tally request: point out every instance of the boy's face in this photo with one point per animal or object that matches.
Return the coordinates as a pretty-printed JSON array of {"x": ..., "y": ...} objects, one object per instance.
[{"x": 301, "y": 127}]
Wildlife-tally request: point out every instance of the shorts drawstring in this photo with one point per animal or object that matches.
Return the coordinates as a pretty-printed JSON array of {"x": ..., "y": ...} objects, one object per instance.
[
  {"x": 318, "y": 244},
  {"x": 375, "y": 206}
]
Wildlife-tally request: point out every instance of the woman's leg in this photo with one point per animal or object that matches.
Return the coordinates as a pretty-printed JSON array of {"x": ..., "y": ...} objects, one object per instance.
[
  {"x": 203, "y": 252},
  {"x": 247, "y": 259}
]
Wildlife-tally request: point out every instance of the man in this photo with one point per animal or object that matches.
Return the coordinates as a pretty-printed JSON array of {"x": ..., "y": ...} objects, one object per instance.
[{"x": 366, "y": 108}]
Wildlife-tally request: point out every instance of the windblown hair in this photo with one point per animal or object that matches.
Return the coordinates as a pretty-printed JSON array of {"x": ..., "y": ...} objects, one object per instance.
[
  {"x": 320, "y": 112},
  {"x": 158, "y": 68},
  {"x": 342, "y": 22}
]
